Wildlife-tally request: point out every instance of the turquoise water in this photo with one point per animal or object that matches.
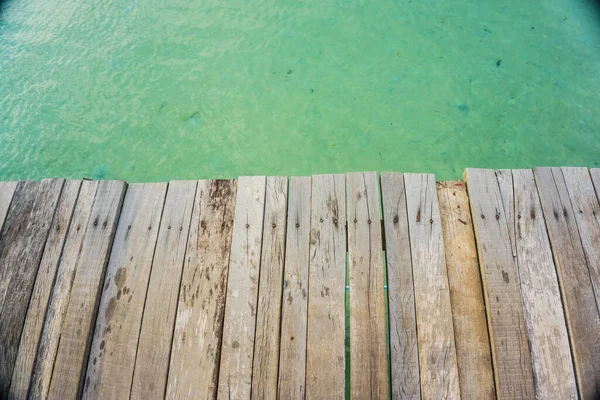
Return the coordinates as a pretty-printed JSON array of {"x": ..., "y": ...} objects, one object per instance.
[{"x": 156, "y": 90}]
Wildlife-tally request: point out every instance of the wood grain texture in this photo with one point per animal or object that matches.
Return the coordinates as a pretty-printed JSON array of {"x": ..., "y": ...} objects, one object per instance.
[
  {"x": 574, "y": 279},
  {"x": 7, "y": 189},
  {"x": 368, "y": 346},
  {"x": 34, "y": 322},
  {"x": 113, "y": 350},
  {"x": 544, "y": 315},
  {"x": 294, "y": 312},
  {"x": 237, "y": 350},
  {"x": 195, "y": 354},
  {"x": 78, "y": 321},
  {"x": 156, "y": 332},
  {"x": 61, "y": 291},
  {"x": 466, "y": 296},
  {"x": 325, "y": 353},
  {"x": 266, "y": 338},
  {"x": 506, "y": 322},
  {"x": 404, "y": 354},
  {"x": 437, "y": 352},
  {"x": 22, "y": 243},
  {"x": 595, "y": 174},
  {"x": 505, "y": 184}
]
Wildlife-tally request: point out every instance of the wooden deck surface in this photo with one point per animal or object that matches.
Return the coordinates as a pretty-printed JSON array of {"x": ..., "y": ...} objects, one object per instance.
[{"x": 255, "y": 288}]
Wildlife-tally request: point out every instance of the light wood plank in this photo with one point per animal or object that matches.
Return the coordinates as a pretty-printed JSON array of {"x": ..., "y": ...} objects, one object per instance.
[
  {"x": 24, "y": 236},
  {"x": 437, "y": 352},
  {"x": 112, "y": 355},
  {"x": 368, "y": 346},
  {"x": 505, "y": 184},
  {"x": 7, "y": 189},
  {"x": 294, "y": 313},
  {"x": 595, "y": 174},
  {"x": 156, "y": 333},
  {"x": 78, "y": 322},
  {"x": 237, "y": 350},
  {"x": 195, "y": 354},
  {"x": 403, "y": 325},
  {"x": 325, "y": 353},
  {"x": 544, "y": 315},
  {"x": 574, "y": 279},
  {"x": 61, "y": 291},
  {"x": 34, "y": 322},
  {"x": 466, "y": 295},
  {"x": 506, "y": 322},
  {"x": 266, "y": 340}
]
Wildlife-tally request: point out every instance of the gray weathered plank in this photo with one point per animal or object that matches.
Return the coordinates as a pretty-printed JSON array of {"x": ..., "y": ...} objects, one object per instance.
[
  {"x": 61, "y": 291},
  {"x": 325, "y": 356},
  {"x": 266, "y": 339},
  {"x": 294, "y": 313},
  {"x": 7, "y": 189},
  {"x": 544, "y": 315},
  {"x": 437, "y": 352},
  {"x": 34, "y": 322},
  {"x": 506, "y": 321},
  {"x": 404, "y": 355},
  {"x": 368, "y": 346},
  {"x": 466, "y": 296},
  {"x": 24, "y": 236},
  {"x": 156, "y": 332},
  {"x": 574, "y": 279},
  {"x": 195, "y": 354},
  {"x": 112, "y": 355},
  {"x": 595, "y": 174},
  {"x": 78, "y": 323},
  {"x": 237, "y": 350},
  {"x": 505, "y": 184}
]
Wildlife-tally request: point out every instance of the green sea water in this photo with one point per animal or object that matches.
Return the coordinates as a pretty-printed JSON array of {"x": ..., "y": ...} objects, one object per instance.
[{"x": 183, "y": 89}]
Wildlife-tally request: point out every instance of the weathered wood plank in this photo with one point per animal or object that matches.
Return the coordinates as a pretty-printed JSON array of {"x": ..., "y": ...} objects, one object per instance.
[
  {"x": 266, "y": 340},
  {"x": 403, "y": 326},
  {"x": 34, "y": 322},
  {"x": 325, "y": 353},
  {"x": 156, "y": 332},
  {"x": 7, "y": 189},
  {"x": 368, "y": 346},
  {"x": 544, "y": 315},
  {"x": 437, "y": 352},
  {"x": 595, "y": 174},
  {"x": 574, "y": 279},
  {"x": 195, "y": 354},
  {"x": 61, "y": 291},
  {"x": 78, "y": 322},
  {"x": 294, "y": 313},
  {"x": 237, "y": 350},
  {"x": 466, "y": 295},
  {"x": 505, "y": 184},
  {"x": 113, "y": 350},
  {"x": 506, "y": 321},
  {"x": 24, "y": 236}
]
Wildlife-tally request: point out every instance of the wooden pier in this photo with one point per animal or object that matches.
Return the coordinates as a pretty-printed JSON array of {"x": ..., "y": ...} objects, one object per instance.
[{"x": 255, "y": 288}]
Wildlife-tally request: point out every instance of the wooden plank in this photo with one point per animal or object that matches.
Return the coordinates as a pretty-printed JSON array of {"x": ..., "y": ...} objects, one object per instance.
[
  {"x": 237, "y": 350},
  {"x": 24, "y": 236},
  {"x": 78, "y": 322},
  {"x": 505, "y": 184},
  {"x": 587, "y": 216},
  {"x": 294, "y": 313},
  {"x": 194, "y": 364},
  {"x": 61, "y": 291},
  {"x": 266, "y": 340},
  {"x": 506, "y": 322},
  {"x": 544, "y": 315},
  {"x": 325, "y": 352},
  {"x": 595, "y": 174},
  {"x": 368, "y": 346},
  {"x": 466, "y": 296},
  {"x": 112, "y": 355},
  {"x": 34, "y": 322},
  {"x": 156, "y": 333},
  {"x": 574, "y": 279},
  {"x": 404, "y": 355},
  {"x": 7, "y": 189},
  {"x": 437, "y": 352}
]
